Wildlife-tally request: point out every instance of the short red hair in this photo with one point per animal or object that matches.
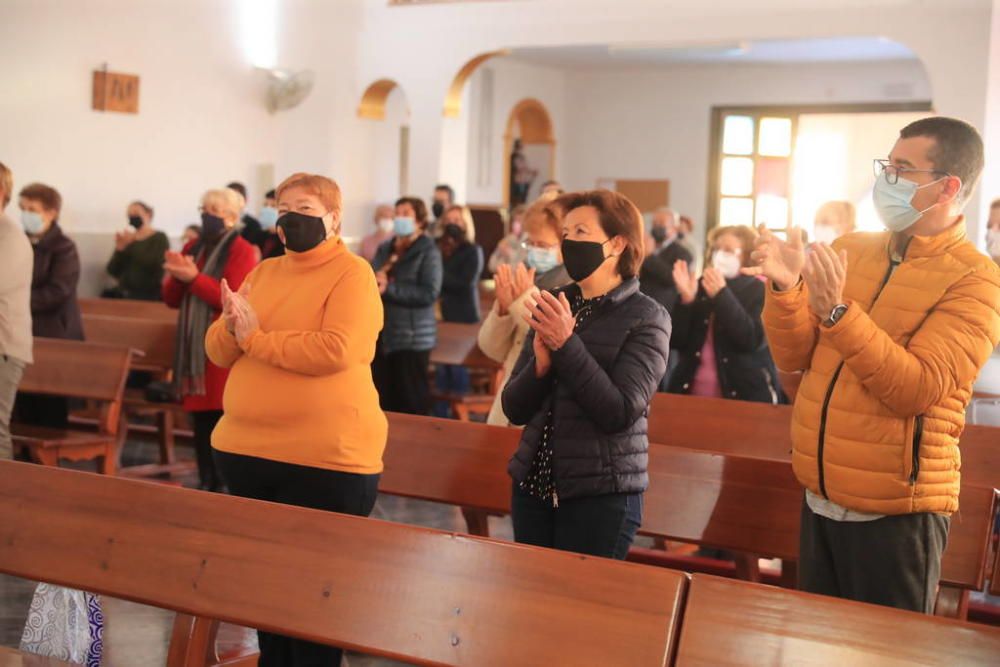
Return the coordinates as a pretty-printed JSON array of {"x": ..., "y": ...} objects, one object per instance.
[{"x": 325, "y": 188}]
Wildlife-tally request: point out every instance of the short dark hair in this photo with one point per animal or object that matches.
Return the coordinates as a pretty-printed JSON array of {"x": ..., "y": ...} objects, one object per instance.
[
  {"x": 618, "y": 217},
  {"x": 419, "y": 208},
  {"x": 446, "y": 188},
  {"x": 957, "y": 150},
  {"x": 48, "y": 197},
  {"x": 239, "y": 187},
  {"x": 144, "y": 206},
  {"x": 270, "y": 194}
]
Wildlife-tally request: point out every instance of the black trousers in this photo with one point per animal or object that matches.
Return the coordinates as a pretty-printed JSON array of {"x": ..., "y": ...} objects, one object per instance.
[
  {"x": 204, "y": 423},
  {"x": 893, "y": 561},
  {"x": 595, "y": 525},
  {"x": 304, "y": 486},
  {"x": 402, "y": 381}
]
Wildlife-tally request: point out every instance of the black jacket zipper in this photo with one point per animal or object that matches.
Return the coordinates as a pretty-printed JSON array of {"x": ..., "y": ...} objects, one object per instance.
[
  {"x": 918, "y": 434},
  {"x": 836, "y": 375}
]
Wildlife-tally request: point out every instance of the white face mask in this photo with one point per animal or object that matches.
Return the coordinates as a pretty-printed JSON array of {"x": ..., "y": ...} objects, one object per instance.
[
  {"x": 825, "y": 234},
  {"x": 385, "y": 225},
  {"x": 727, "y": 263},
  {"x": 993, "y": 242}
]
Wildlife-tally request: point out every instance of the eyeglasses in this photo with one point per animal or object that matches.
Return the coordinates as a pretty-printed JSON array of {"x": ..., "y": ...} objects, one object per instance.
[{"x": 892, "y": 172}]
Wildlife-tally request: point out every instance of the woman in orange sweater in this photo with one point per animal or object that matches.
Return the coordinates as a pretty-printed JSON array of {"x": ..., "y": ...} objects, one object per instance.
[{"x": 302, "y": 422}]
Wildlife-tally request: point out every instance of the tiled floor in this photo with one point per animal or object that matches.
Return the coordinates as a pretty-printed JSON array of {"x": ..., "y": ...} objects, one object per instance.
[{"x": 138, "y": 636}]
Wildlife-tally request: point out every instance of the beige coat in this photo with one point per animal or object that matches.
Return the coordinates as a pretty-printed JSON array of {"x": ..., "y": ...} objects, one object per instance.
[
  {"x": 15, "y": 291},
  {"x": 501, "y": 339}
]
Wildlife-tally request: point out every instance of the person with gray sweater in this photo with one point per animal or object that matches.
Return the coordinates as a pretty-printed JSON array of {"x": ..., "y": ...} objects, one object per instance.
[{"x": 15, "y": 309}]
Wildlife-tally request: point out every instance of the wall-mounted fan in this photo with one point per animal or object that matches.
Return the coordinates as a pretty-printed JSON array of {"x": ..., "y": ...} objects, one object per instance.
[{"x": 287, "y": 89}]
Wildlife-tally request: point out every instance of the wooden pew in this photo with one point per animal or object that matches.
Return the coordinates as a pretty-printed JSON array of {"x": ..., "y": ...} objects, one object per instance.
[
  {"x": 11, "y": 658},
  {"x": 155, "y": 338},
  {"x": 736, "y": 623},
  {"x": 403, "y": 592},
  {"x": 457, "y": 346},
  {"x": 76, "y": 370},
  {"x": 145, "y": 310},
  {"x": 711, "y": 499},
  {"x": 759, "y": 430}
]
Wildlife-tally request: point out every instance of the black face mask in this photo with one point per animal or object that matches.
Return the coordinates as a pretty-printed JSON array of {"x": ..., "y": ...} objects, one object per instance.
[
  {"x": 455, "y": 232},
  {"x": 302, "y": 232},
  {"x": 582, "y": 258},
  {"x": 659, "y": 234},
  {"x": 437, "y": 209},
  {"x": 135, "y": 221},
  {"x": 212, "y": 226}
]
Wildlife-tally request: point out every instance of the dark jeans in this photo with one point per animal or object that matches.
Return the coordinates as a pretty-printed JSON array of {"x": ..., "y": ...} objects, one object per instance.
[
  {"x": 203, "y": 424},
  {"x": 893, "y": 561},
  {"x": 450, "y": 380},
  {"x": 595, "y": 525},
  {"x": 401, "y": 380},
  {"x": 304, "y": 486}
]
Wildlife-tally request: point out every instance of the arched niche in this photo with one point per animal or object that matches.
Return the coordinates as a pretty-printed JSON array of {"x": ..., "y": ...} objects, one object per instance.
[
  {"x": 453, "y": 100},
  {"x": 373, "y": 100},
  {"x": 531, "y": 122}
]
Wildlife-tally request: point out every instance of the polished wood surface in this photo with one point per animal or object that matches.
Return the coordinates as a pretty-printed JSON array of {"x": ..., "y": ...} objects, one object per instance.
[
  {"x": 712, "y": 499},
  {"x": 11, "y": 658},
  {"x": 760, "y": 430},
  {"x": 154, "y": 338},
  {"x": 133, "y": 308},
  {"x": 730, "y": 623},
  {"x": 456, "y": 346},
  {"x": 77, "y": 369},
  {"x": 409, "y": 593}
]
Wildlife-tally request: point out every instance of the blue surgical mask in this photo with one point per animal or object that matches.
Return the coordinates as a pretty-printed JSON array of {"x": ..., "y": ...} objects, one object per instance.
[
  {"x": 268, "y": 217},
  {"x": 32, "y": 222},
  {"x": 542, "y": 259},
  {"x": 892, "y": 202},
  {"x": 404, "y": 226}
]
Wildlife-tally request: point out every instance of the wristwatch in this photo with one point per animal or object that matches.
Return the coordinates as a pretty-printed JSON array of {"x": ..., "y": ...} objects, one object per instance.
[{"x": 835, "y": 315}]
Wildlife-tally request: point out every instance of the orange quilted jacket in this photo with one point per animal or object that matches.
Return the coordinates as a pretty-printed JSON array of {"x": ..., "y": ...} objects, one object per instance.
[{"x": 878, "y": 415}]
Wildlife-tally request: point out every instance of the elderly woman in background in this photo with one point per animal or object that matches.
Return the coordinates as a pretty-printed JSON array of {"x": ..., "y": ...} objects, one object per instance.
[
  {"x": 383, "y": 221},
  {"x": 510, "y": 250},
  {"x": 194, "y": 286},
  {"x": 408, "y": 271},
  {"x": 137, "y": 262},
  {"x": 55, "y": 312},
  {"x": 833, "y": 220},
  {"x": 718, "y": 332},
  {"x": 583, "y": 384},
  {"x": 301, "y": 332},
  {"x": 505, "y": 329},
  {"x": 462, "y": 266}
]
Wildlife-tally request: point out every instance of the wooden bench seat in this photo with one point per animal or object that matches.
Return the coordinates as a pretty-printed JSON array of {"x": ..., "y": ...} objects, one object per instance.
[
  {"x": 711, "y": 499},
  {"x": 75, "y": 369},
  {"x": 733, "y": 623},
  {"x": 414, "y": 594},
  {"x": 132, "y": 308}
]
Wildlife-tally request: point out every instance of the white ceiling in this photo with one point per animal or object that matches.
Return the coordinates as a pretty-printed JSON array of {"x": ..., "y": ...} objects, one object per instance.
[{"x": 832, "y": 49}]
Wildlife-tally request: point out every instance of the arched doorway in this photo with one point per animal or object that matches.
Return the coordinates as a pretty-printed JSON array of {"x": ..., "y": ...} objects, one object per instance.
[{"x": 529, "y": 152}]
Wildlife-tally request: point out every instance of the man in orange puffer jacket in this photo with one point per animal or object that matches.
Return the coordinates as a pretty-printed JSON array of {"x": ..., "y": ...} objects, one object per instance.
[{"x": 891, "y": 330}]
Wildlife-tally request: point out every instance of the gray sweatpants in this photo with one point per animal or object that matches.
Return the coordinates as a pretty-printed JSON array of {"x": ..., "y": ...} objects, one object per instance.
[
  {"x": 893, "y": 561},
  {"x": 10, "y": 375}
]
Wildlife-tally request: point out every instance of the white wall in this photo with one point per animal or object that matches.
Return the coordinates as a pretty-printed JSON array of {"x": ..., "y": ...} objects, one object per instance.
[
  {"x": 951, "y": 39},
  {"x": 512, "y": 82},
  {"x": 650, "y": 124}
]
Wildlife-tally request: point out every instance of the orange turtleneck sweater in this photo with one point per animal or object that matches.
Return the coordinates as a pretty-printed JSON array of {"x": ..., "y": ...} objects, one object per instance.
[{"x": 300, "y": 389}]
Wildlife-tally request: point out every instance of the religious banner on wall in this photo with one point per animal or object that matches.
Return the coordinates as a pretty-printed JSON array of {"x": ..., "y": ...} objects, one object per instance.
[{"x": 114, "y": 91}]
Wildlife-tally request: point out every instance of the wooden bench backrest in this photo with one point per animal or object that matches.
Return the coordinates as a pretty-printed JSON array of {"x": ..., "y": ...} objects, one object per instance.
[
  {"x": 149, "y": 310},
  {"x": 154, "y": 338},
  {"x": 760, "y": 430},
  {"x": 719, "y": 500},
  {"x": 77, "y": 370},
  {"x": 456, "y": 345},
  {"x": 737, "y": 623},
  {"x": 404, "y": 592}
]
